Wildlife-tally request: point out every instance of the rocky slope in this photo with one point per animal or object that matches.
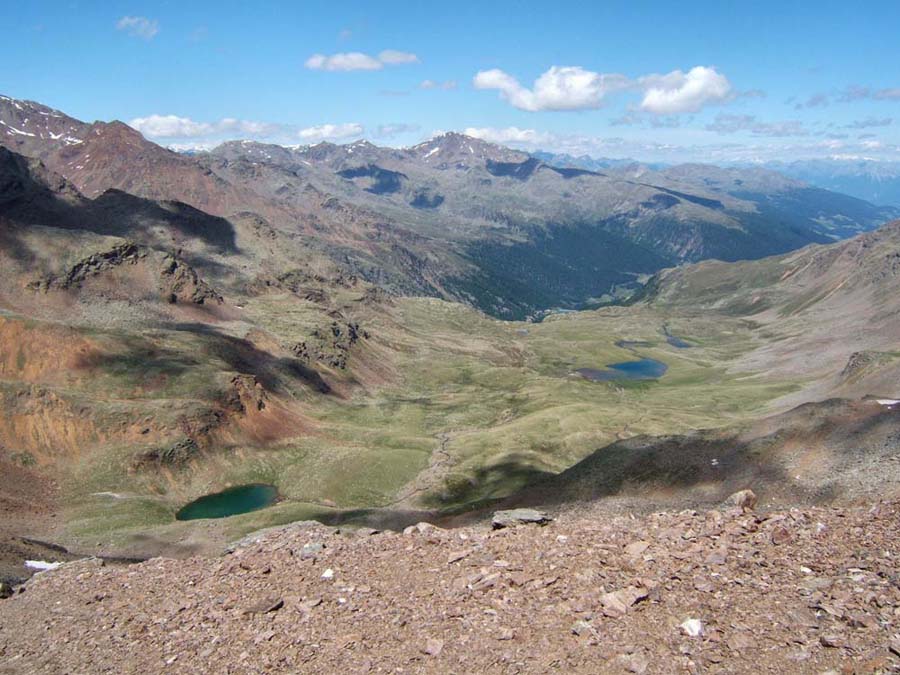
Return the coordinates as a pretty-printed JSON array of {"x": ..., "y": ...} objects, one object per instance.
[{"x": 726, "y": 590}]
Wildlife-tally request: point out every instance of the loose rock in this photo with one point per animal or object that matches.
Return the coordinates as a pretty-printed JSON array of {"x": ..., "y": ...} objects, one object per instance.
[{"x": 515, "y": 517}]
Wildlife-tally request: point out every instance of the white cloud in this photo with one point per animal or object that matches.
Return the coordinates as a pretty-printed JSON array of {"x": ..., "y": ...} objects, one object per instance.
[
  {"x": 513, "y": 135},
  {"x": 574, "y": 88},
  {"x": 679, "y": 92},
  {"x": 393, "y": 57},
  {"x": 343, "y": 61},
  {"x": 324, "y": 132},
  {"x": 171, "y": 126},
  {"x": 138, "y": 26},
  {"x": 347, "y": 61},
  {"x": 560, "y": 88}
]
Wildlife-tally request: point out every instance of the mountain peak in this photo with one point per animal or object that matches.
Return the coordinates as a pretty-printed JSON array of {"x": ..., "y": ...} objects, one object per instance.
[{"x": 456, "y": 149}]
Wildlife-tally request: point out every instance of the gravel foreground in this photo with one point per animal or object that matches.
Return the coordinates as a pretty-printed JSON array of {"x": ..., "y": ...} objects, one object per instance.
[{"x": 815, "y": 590}]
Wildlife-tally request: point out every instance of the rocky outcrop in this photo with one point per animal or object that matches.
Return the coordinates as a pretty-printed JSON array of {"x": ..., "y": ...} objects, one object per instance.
[
  {"x": 861, "y": 362},
  {"x": 330, "y": 346},
  {"x": 178, "y": 281},
  {"x": 173, "y": 456},
  {"x": 245, "y": 393},
  {"x": 95, "y": 264},
  {"x": 181, "y": 283}
]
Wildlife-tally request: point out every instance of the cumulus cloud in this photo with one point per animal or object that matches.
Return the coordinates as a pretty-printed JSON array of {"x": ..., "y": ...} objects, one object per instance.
[
  {"x": 170, "y": 126},
  {"x": 138, "y": 26},
  {"x": 173, "y": 126},
  {"x": 560, "y": 88},
  {"x": 730, "y": 124},
  {"x": 343, "y": 61},
  {"x": 347, "y": 61},
  {"x": 514, "y": 135},
  {"x": 333, "y": 132},
  {"x": 575, "y": 88},
  {"x": 679, "y": 92}
]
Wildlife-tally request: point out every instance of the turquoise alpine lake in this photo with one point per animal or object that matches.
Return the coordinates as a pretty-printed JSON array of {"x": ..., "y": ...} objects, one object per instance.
[{"x": 230, "y": 502}]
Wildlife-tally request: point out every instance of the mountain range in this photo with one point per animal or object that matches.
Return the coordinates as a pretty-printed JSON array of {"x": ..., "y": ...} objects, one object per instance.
[
  {"x": 875, "y": 181},
  {"x": 455, "y": 217}
]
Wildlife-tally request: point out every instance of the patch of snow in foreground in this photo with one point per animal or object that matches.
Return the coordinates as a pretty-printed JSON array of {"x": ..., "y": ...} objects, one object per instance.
[
  {"x": 41, "y": 565},
  {"x": 888, "y": 401}
]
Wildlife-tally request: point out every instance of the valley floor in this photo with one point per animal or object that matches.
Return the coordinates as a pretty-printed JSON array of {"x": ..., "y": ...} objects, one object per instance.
[{"x": 805, "y": 591}]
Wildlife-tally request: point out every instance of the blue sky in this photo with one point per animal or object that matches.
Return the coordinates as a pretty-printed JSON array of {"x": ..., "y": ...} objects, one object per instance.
[{"x": 652, "y": 80}]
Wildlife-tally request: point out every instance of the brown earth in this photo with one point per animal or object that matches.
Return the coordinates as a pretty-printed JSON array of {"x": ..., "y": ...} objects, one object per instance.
[
  {"x": 804, "y": 591},
  {"x": 28, "y": 505}
]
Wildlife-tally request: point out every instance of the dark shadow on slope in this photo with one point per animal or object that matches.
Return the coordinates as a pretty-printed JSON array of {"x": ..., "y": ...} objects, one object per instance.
[
  {"x": 569, "y": 172},
  {"x": 141, "y": 361},
  {"x": 706, "y": 466},
  {"x": 701, "y": 201},
  {"x": 32, "y": 195},
  {"x": 135, "y": 212},
  {"x": 11, "y": 243},
  {"x": 501, "y": 478},
  {"x": 384, "y": 181},
  {"x": 275, "y": 373},
  {"x": 518, "y": 170}
]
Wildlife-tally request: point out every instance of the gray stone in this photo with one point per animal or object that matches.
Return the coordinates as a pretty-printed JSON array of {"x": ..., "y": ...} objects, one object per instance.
[
  {"x": 515, "y": 517},
  {"x": 311, "y": 550},
  {"x": 745, "y": 499}
]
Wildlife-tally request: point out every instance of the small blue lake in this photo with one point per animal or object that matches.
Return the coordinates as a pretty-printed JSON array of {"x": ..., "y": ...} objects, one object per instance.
[
  {"x": 643, "y": 369},
  {"x": 677, "y": 342},
  {"x": 674, "y": 340},
  {"x": 230, "y": 502}
]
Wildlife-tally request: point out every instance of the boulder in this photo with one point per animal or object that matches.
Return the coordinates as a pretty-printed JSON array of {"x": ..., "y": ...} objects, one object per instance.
[
  {"x": 311, "y": 550},
  {"x": 421, "y": 528},
  {"x": 745, "y": 499},
  {"x": 515, "y": 517}
]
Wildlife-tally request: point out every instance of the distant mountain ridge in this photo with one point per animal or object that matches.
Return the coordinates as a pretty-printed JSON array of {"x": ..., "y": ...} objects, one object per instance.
[
  {"x": 872, "y": 180},
  {"x": 457, "y": 217},
  {"x": 875, "y": 181}
]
